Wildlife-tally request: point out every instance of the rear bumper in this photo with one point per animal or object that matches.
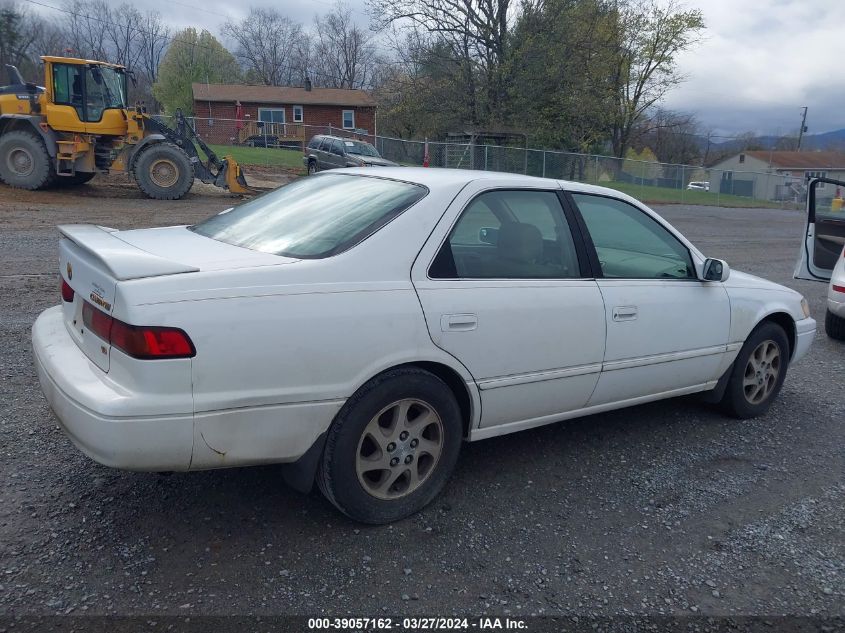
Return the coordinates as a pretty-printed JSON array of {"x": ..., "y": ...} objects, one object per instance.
[
  {"x": 113, "y": 425},
  {"x": 836, "y": 303},
  {"x": 805, "y": 332},
  {"x": 79, "y": 392}
]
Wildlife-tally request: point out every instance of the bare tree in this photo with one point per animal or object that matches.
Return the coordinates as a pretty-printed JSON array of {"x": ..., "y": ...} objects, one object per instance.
[
  {"x": 267, "y": 45},
  {"x": 344, "y": 53},
  {"x": 123, "y": 36},
  {"x": 86, "y": 28},
  {"x": 152, "y": 43},
  {"x": 475, "y": 31}
]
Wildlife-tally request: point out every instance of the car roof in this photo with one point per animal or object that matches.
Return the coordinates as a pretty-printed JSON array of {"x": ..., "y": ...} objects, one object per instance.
[
  {"x": 439, "y": 176},
  {"x": 337, "y": 138}
]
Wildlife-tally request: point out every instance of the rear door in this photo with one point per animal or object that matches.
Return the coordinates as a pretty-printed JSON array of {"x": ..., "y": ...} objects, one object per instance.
[
  {"x": 506, "y": 289},
  {"x": 336, "y": 156},
  {"x": 824, "y": 235}
]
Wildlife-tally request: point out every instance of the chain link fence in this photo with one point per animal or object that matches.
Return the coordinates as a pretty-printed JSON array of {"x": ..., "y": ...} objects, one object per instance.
[{"x": 280, "y": 145}]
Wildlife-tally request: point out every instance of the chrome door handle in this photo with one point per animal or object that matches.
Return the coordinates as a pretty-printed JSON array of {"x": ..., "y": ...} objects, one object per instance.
[
  {"x": 624, "y": 313},
  {"x": 458, "y": 322}
]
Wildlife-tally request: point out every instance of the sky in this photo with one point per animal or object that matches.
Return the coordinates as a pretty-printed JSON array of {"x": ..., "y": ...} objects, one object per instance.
[{"x": 759, "y": 62}]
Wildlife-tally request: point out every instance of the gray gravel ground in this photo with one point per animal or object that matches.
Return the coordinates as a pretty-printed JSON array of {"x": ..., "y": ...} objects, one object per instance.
[{"x": 667, "y": 508}]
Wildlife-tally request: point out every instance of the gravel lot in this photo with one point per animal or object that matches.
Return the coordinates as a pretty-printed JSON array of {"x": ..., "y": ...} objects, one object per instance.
[{"x": 666, "y": 508}]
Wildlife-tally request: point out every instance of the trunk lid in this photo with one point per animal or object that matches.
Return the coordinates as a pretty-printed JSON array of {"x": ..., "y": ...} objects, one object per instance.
[{"x": 94, "y": 259}]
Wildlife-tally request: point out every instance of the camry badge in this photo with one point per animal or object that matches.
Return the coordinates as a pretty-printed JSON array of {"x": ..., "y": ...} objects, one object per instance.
[{"x": 69, "y": 271}]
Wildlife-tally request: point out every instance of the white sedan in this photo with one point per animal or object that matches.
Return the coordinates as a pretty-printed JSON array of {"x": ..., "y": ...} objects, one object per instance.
[
  {"x": 822, "y": 256},
  {"x": 358, "y": 326}
]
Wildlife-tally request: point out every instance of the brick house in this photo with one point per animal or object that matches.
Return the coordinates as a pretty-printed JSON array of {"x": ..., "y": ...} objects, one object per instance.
[{"x": 283, "y": 111}]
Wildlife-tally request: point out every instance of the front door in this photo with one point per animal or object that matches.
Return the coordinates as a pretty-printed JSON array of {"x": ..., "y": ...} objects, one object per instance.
[
  {"x": 824, "y": 236},
  {"x": 504, "y": 288},
  {"x": 666, "y": 330}
]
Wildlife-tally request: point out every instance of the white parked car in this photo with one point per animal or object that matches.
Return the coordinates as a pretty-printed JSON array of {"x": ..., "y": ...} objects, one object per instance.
[
  {"x": 359, "y": 326},
  {"x": 822, "y": 256},
  {"x": 699, "y": 185}
]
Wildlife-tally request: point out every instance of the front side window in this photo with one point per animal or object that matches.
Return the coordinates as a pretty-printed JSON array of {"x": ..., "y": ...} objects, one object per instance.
[
  {"x": 509, "y": 235},
  {"x": 630, "y": 244},
  {"x": 314, "y": 143},
  {"x": 348, "y": 119},
  {"x": 313, "y": 217},
  {"x": 359, "y": 148}
]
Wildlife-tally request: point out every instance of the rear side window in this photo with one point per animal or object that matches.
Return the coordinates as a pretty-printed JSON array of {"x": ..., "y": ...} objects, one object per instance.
[
  {"x": 313, "y": 217},
  {"x": 509, "y": 235},
  {"x": 630, "y": 244}
]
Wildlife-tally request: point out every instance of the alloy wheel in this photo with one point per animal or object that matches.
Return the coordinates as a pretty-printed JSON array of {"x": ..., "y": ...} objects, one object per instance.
[
  {"x": 761, "y": 372},
  {"x": 399, "y": 449}
]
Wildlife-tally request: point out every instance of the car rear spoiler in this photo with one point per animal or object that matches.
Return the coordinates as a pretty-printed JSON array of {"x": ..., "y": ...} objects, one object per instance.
[{"x": 121, "y": 260}]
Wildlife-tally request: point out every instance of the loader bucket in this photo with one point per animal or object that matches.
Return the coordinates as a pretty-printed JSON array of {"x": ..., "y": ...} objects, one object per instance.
[{"x": 232, "y": 177}]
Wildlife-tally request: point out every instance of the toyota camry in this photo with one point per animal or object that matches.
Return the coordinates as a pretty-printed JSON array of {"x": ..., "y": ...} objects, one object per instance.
[{"x": 358, "y": 326}]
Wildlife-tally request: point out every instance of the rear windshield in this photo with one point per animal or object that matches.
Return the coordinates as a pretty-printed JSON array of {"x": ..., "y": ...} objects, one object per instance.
[{"x": 313, "y": 217}]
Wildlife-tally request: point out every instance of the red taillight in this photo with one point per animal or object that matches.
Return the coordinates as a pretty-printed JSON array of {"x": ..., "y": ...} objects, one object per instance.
[
  {"x": 138, "y": 341},
  {"x": 67, "y": 291},
  {"x": 838, "y": 288},
  {"x": 151, "y": 342}
]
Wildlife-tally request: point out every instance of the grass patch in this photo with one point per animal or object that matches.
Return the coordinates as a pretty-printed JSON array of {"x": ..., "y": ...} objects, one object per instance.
[{"x": 263, "y": 156}]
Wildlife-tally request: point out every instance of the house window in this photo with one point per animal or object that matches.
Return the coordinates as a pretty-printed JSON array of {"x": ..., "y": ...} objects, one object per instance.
[
  {"x": 297, "y": 114},
  {"x": 816, "y": 174},
  {"x": 271, "y": 115},
  {"x": 349, "y": 119}
]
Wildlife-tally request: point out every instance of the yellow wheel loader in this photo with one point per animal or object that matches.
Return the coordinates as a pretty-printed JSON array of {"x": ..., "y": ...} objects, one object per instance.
[{"x": 78, "y": 124}]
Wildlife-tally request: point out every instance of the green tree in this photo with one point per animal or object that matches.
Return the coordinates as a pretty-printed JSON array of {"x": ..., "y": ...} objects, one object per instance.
[
  {"x": 193, "y": 57},
  {"x": 650, "y": 36},
  {"x": 558, "y": 73}
]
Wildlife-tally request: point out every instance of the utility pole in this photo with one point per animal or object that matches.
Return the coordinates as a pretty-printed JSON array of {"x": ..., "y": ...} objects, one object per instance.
[{"x": 803, "y": 128}]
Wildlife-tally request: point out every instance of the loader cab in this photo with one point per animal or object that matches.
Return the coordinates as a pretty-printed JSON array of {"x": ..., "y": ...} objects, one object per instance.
[{"x": 85, "y": 96}]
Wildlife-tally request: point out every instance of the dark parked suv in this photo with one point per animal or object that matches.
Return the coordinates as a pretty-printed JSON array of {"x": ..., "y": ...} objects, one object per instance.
[{"x": 331, "y": 152}]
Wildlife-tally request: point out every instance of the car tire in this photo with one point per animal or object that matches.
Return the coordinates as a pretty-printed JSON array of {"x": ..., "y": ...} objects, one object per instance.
[
  {"x": 834, "y": 326},
  {"x": 392, "y": 447},
  {"x": 312, "y": 167},
  {"x": 758, "y": 372}
]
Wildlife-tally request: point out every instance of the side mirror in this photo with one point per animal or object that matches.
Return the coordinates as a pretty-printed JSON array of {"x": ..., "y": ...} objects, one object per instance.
[
  {"x": 716, "y": 270},
  {"x": 488, "y": 236}
]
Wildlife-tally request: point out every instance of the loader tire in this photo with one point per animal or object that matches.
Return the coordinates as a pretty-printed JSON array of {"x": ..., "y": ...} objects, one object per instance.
[
  {"x": 77, "y": 179},
  {"x": 164, "y": 172},
  {"x": 24, "y": 161}
]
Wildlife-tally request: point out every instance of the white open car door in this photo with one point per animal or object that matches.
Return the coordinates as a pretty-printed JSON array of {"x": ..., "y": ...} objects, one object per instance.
[{"x": 824, "y": 236}]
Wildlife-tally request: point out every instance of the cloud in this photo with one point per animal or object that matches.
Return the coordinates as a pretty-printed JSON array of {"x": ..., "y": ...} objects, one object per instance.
[{"x": 760, "y": 63}]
